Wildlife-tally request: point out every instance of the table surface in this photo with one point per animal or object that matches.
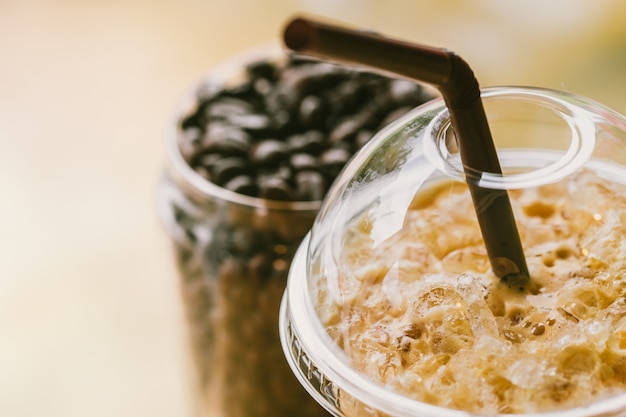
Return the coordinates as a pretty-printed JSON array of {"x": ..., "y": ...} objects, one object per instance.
[{"x": 90, "y": 317}]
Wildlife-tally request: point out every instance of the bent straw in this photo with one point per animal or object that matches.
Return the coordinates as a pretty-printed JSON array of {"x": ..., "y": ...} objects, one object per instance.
[{"x": 455, "y": 80}]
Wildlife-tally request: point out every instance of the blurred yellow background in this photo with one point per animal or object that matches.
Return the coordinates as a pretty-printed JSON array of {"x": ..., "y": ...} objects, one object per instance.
[{"x": 90, "y": 319}]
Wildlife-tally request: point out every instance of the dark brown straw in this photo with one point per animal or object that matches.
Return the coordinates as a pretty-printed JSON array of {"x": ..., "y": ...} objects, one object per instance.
[{"x": 455, "y": 80}]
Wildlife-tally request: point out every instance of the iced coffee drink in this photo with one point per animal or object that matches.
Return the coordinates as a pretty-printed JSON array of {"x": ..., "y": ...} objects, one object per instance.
[
  {"x": 420, "y": 312},
  {"x": 392, "y": 308}
]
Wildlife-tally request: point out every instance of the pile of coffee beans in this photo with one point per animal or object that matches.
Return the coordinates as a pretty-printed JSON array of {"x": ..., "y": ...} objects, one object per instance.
[
  {"x": 287, "y": 130},
  {"x": 281, "y": 132}
]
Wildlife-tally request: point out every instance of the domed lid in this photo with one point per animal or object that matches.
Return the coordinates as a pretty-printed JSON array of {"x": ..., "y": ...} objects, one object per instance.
[{"x": 399, "y": 278}]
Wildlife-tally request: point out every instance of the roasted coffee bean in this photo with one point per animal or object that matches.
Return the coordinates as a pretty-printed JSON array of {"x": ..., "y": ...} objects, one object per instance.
[
  {"x": 208, "y": 90},
  {"x": 303, "y": 162},
  {"x": 227, "y": 106},
  {"x": 312, "y": 112},
  {"x": 262, "y": 86},
  {"x": 268, "y": 152},
  {"x": 280, "y": 99},
  {"x": 206, "y": 161},
  {"x": 312, "y": 142},
  {"x": 255, "y": 124},
  {"x": 347, "y": 145},
  {"x": 242, "y": 184},
  {"x": 243, "y": 91},
  {"x": 276, "y": 188},
  {"x": 262, "y": 69},
  {"x": 404, "y": 92},
  {"x": 203, "y": 172},
  {"x": 346, "y": 97},
  {"x": 284, "y": 172},
  {"x": 282, "y": 122},
  {"x": 191, "y": 120},
  {"x": 226, "y": 169},
  {"x": 308, "y": 79},
  {"x": 333, "y": 160},
  {"x": 362, "y": 137},
  {"x": 311, "y": 185},
  {"x": 226, "y": 139},
  {"x": 345, "y": 131},
  {"x": 189, "y": 140}
]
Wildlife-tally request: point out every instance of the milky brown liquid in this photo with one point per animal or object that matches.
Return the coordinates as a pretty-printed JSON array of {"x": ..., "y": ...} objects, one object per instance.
[{"x": 422, "y": 313}]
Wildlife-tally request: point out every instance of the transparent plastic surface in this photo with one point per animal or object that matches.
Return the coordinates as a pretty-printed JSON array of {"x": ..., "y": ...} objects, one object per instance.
[{"x": 391, "y": 308}]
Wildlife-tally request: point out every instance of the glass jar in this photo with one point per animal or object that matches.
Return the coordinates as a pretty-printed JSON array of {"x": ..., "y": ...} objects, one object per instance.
[
  {"x": 391, "y": 308},
  {"x": 232, "y": 253},
  {"x": 234, "y": 246}
]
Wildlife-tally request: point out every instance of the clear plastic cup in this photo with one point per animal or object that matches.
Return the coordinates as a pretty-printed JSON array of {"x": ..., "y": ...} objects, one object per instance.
[{"x": 391, "y": 308}]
